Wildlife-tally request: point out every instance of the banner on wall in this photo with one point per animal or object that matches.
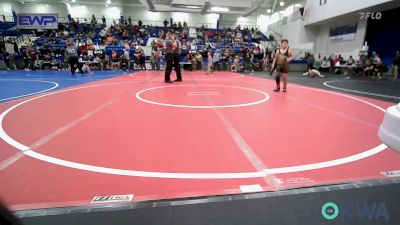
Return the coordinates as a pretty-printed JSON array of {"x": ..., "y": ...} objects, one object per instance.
[
  {"x": 344, "y": 33},
  {"x": 37, "y": 21}
]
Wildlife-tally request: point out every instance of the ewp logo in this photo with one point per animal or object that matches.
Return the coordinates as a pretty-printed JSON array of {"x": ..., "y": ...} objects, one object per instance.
[
  {"x": 35, "y": 21},
  {"x": 355, "y": 211},
  {"x": 372, "y": 15},
  {"x": 40, "y": 20}
]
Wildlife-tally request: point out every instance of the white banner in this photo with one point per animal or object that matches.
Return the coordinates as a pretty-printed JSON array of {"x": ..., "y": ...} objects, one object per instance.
[
  {"x": 37, "y": 21},
  {"x": 343, "y": 37}
]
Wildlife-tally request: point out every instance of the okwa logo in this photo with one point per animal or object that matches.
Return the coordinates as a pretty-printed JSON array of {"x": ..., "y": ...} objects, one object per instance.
[{"x": 355, "y": 211}]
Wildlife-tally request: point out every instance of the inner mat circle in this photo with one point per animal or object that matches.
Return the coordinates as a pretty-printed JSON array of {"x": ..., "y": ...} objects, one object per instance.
[{"x": 208, "y": 94}]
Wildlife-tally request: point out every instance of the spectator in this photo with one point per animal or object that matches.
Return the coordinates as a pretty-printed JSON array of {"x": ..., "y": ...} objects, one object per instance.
[
  {"x": 184, "y": 46},
  {"x": 153, "y": 45},
  {"x": 378, "y": 65},
  {"x": 139, "y": 35},
  {"x": 136, "y": 57},
  {"x": 216, "y": 58},
  {"x": 104, "y": 20},
  {"x": 235, "y": 64},
  {"x": 160, "y": 35},
  {"x": 155, "y": 60},
  {"x": 127, "y": 57},
  {"x": 7, "y": 58},
  {"x": 310, "y": 61},
  {"x": 15, "y": 45},
  {"x": 93, "y": 21},
  {"x": 266, "y": 64},
  {"x": 130, "y": 21},
  {"x": 86, "y": 68},
  {"x": 396, "y": 65},
  {"x": 210, "y": 63},
  {"x": 33, "y": 56},
  {"x": 326, "y": 65},
  {"x": 317, "y": 63},
  {"x": 368, "y": 68},
  {"x": 140, "y": 23},
  {"x": 199, "y": 61},
  {"x": 193, "y": 45},
  {"x": 191, "y": 57},
  {"x": 254, "y": 64},
  {"x": 47, "y": 59},
  {"x": 115, "y": 60},
  {"x": 247, "y": 63},
  {"x": 350, "y": 61},
  {"x": 24, "y": 55},
  {"x": 29, "y": 42},
  {"x": 225, "y": 60},
  {"x": 107, "y": 62},
  {"x": 124, "y": 63},
  {"x": 335, "y": 61},
  {"x": 55, "y": 63},
  {"x": 142, "y": 60}
]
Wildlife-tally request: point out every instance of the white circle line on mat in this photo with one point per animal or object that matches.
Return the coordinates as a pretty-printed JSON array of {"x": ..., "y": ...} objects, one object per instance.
[
  {"x": 328, "y": 84},
  {"x": 153, "y": 174},
  {"x": 29, "y": 94},
  {"x": 70, "y": 76},
  {"x": 266, "y": 97}
]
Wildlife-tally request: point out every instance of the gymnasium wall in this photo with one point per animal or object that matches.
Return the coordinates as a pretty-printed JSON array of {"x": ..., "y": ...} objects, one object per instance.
[
  {"x": 135, "y": 11},
  {"x": 345, "y": 48},
  {"x": 234, "y": 20},
  {"x": 60, "y": 9},
  {"x": 333, "y": 8},
  {"x": 298, "y": 35},
  {"x": 316, "y": 37},
  {"x": 86, "y": 11},
  {"x": 5, "y": 9}
]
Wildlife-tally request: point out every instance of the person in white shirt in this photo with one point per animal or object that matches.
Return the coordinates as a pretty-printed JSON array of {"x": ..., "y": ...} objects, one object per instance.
[
  {"x": 326, "y": 65},
  {"x": 210, "y": 63},
  {"x": 216, "y": 58},
  {"x": 126, "y": 54},
  {"x": 86, "y": 68}
]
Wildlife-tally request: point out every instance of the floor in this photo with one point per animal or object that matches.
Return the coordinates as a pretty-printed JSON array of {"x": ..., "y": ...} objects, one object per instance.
[{"x": 65, "y": 140}]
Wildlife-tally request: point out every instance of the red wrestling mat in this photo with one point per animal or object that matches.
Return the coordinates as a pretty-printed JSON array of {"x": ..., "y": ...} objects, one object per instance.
[{"x": 208, "y": 135}]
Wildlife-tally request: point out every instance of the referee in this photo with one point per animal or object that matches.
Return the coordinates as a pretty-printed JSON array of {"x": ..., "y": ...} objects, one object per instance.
[
  {"x": 172, "y": 58},
  {"x": 71, "y": 54}
]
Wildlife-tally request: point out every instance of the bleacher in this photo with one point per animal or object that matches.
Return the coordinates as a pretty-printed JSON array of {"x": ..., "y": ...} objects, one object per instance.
[
  {"x": 59, "y": 44},
  {"x": 10, "y": 29},
  {"x": 153, "y": 31}
]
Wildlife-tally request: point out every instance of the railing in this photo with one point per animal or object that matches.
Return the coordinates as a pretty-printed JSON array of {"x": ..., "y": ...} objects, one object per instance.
[
  {"x": 8, "y": 18},
  {"x": 286, "y": 20},
  {"x": 276, "y": 34},
  {"x": 299, "y": 53},
  {"x": 234, "y": 24},
  {"x": 207, "y": 25}
]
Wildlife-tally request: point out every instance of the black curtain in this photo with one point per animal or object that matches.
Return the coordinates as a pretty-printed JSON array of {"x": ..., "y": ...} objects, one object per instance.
[{"x": 383, "y": 35}]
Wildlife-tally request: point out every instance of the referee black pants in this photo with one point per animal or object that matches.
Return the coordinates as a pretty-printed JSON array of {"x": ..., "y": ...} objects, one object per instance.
[
  {"x": 172, "y": 61},
  {"x": 72, "y": 62}
]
